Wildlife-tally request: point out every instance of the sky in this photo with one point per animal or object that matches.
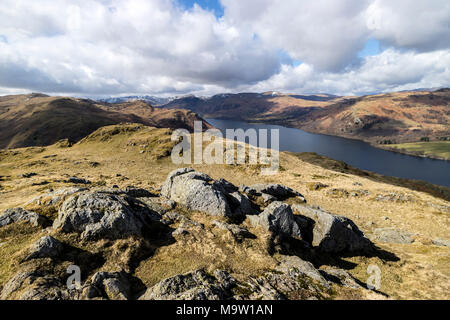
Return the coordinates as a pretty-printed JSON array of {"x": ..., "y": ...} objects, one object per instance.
[{"x": 102, "y": 48}]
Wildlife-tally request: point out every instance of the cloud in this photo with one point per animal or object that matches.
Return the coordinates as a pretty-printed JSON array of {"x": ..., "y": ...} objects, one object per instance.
[
  {"x": 391, "y": 70},
  {"x": 418, "y": 25},
  {"x": 112, "y": 47}
]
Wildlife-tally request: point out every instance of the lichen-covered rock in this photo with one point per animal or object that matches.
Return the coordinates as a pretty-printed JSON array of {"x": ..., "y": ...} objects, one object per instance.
[
  {"x": 111, "y": 285},
  {"x": 45, "y": 247},
  {"x": 332, "y": 233},
  {"x": 18, "y": 215},
  {"x": 293, "y": 265},
  {"x": 198, "y": 191},
  {"x": 103, "y": 215},
  {"x": 238, "y": 232},
  {"x": 196, "y": 285},
  {"x": 277, "y": 218},
  {"x": 34, "y": 285}
]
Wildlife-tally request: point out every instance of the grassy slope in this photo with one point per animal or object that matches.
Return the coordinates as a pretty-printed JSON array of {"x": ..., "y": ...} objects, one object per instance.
[{"x": 422, "y": 271}]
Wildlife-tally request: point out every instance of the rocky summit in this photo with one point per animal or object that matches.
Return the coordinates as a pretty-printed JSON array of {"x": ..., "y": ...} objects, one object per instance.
[
  {"x": 102, "y": 220},
  {"x": 125, "y": 228}
]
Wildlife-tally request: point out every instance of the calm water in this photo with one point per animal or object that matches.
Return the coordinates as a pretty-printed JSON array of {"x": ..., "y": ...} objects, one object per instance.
[{"x": 356, "y": 153}]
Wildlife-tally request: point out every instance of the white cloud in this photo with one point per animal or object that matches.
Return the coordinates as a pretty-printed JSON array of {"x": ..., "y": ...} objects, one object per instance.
[
  {"x": 156, "y": 47},
  {"x": 389, "y": 71}
]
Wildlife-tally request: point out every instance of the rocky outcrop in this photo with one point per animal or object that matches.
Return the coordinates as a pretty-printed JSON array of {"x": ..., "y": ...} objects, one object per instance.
[
  {"x": 196, "y": 285},
  {"x": 34, "y": 285},
  {"x": 198, "y": 191},
  {"x": 110, "y": 285},
  {"x": 332, "y": 233},
  {"x": 45, "y": 247},
  {"x": 14, "y": 215},
  {"x": 277, "y": 218},
  {"x": 103, "y": 215}
]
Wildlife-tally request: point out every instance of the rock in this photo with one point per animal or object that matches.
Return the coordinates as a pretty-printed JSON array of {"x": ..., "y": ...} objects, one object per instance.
[
  {"x": 197, "y": 191},
  {"x": 103, "y": 215},
  {"x": 267, "y": 198},
  {"x": 45, "y": 247},
  {"x": 196, "y": 285},
  {"x": 388, "y": 235},
  {"x": 113, "y": 285},
  {"x": 34, "y": 285},
  {"x": 294, "y": 265},
  {"x": 277, "y": 218},
  {"x": 186, "y": 223},
  {"x": 359, "y": 184},
  {"x": 77, "y": 180},
  {"x": 340, "y": 277},
  {"x": 240, "y": 204},
  {"x": 332, "y": 233},
  {"x": 440, "y": 242},
  {"x": 276, "y": 190},
  {"x": 238, "y": 232},
  {"x": 18, "y": 214}
]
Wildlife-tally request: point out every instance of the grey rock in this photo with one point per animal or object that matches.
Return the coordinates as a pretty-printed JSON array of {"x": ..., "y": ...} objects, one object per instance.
[
  {"x": 293, "y": 265},
  {"x": 277, "y": 218},
  {"x": 179, "y": 232},
  {"x": 196, "y": 285},
  {"x": 34, "y": 285},
  {"x": 197, "y": 191},
  {"x": 14, "y": 215},
  {"x": 113, "y": 285},
  {"x": 389, "y": 235},
  {"x": 341, "y": 277},
  {"x": 45, "y": 247},
  {"x": 440, "y": 242},
  {"x": 267, "y": 198},
  {"x": 333, "y": 233},
  {"x": 103, "y": 215}
]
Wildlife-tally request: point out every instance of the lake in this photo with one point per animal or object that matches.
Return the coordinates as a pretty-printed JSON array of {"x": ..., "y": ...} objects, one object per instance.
[{"x": 354, "y": 152}]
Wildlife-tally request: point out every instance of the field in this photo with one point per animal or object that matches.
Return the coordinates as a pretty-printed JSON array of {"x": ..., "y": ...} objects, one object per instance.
[{"x": 433, "y": 149}]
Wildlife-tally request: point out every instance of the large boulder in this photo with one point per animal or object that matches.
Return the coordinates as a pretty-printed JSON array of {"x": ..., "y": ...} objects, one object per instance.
[
  {"x": 196, "y": 285},
  {"x": 198, "y": 191},
  {"x": 333, "y": 233},
  {"x": 277, "y": 218},
  {"x": 103, "y": 215},
  {"x": 13, "y": 215}
]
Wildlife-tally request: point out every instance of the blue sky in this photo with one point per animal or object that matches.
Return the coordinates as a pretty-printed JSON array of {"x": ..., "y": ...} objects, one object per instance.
[{"x": 211, "y": 5}]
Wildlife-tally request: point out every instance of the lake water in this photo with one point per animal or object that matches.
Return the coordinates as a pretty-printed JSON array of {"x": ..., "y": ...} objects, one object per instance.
[{"x": 356, "y": 153}]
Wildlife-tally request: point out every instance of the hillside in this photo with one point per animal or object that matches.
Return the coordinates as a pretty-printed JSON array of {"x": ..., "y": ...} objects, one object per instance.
[
  {"x": 379, "y": 119},
  {"x": 38, "y": 120},
  {"x": 154, "y": 233}
]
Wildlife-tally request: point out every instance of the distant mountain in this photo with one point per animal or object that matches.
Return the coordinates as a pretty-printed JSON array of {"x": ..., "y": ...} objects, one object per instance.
[
  {"x": 155, "y": 101},
  {"x": 38, "y": 120},
  {"x": 400, "y": 116}
]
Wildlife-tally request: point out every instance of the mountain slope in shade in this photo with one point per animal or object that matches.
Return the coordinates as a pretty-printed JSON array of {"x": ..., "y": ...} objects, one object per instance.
[{"x": 37, "y": 120}]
